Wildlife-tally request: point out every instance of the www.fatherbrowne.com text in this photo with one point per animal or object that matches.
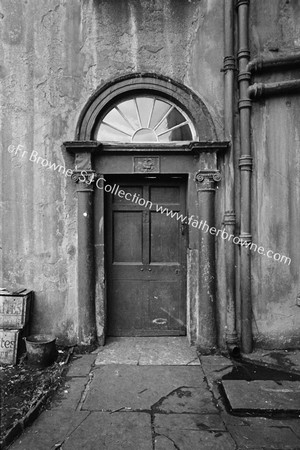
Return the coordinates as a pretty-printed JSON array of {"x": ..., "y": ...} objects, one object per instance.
[{"x": 189, "y": 220}]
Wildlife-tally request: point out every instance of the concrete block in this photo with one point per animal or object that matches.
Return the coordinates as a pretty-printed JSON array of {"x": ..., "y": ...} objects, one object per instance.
[
  {"x": 264, "y": 395},
  {"x": 254, "y": 437}
]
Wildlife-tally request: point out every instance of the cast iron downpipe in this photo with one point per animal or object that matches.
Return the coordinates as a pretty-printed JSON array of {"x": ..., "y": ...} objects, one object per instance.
[
  {"x": 229, "y": 216},
  {"x": 265, "y": 63},
  {"x": 245, "y": 164}
]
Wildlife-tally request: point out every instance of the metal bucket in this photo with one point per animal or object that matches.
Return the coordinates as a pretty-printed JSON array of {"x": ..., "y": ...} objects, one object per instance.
[{"x": 41, "y": 350}]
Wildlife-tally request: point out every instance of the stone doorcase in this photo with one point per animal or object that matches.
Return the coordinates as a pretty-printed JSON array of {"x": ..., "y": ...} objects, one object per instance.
[{"x": 197, "y": 161}]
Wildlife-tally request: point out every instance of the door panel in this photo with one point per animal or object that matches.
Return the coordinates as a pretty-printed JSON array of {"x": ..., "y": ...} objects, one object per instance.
[
  {"x": 127, "y": 236},
  {"x": 146, "y": 259},
  {"x": 164, "y": 242}
]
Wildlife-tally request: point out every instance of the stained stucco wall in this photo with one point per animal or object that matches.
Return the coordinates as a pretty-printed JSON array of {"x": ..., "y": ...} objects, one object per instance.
[
  {"x": 54, "y": 54},
  {"x": 276, "y": 179}
]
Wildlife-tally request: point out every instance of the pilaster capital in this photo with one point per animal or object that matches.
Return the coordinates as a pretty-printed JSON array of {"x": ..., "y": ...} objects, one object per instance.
[
  {"x": 84, "y": 179},
  {"x": 206, "y": 179}
]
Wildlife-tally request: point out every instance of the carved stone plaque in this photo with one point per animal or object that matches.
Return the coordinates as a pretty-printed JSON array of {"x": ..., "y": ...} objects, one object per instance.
[{"x": 146, "y": 164}]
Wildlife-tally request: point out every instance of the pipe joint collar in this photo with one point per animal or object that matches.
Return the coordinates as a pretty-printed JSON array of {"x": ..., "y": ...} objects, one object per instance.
[
  {"x": 244, "y": 103},
  {"x": 242, "y": 2},
  {"x": 244, "y": 76},
  {"x": 246, "y": 162},
  {"x": 245, "y": 237},
  {"x": 243, "y": 53},
  {"x": 229, "y": 218},
  {"x": 229, "y": 63}
]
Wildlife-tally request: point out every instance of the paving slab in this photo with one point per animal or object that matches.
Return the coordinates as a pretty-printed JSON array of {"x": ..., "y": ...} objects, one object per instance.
[
  {"x": 81, "y": 365},
  {"x": 262, "y": 395},
  {"x": 294, "y": 424},
  {"x": 118, "y": 431},
  {"x": 164, "y": 443},
  {"x": 148, "y": 351},
  {"x": 141, "y": 387},
  {"x": 187, "y": 400},
  {"x": 260, "y": 436},
  {"x": 197, "y": 422},
  {"x": 191, "y": 431},
  {"x": 230, "y": 420},
  {"x": 120, "y": 400},
  {"x": 69, "y": 394},
  {"x": 216, "y": 366},
  {"x": 281, "y": 359},
  {"x": 171, "y": 439},
  {"x": 215, "y": 360},
  {"x": 49, "y": 429}
]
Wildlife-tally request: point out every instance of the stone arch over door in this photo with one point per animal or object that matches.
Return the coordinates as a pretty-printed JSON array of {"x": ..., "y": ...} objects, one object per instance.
[
  {"x": 195, "y": 160},
  {"x": 140, "y": 83}
]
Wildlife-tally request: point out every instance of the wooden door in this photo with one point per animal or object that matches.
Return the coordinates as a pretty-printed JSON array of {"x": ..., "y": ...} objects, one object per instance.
[{"x": 146, "y": 258}]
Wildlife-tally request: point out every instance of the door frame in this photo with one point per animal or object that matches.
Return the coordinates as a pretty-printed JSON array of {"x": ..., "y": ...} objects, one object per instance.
[{"x": 197, "y": 160}]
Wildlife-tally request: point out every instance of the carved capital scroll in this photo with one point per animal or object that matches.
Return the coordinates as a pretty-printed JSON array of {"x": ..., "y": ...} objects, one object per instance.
[
  {"x": 206, "y": 179},
  {"x": 85, "y": 180}
]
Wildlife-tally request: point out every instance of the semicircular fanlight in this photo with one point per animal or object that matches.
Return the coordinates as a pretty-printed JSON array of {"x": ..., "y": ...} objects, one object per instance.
[{"x": 145, "y": 119}]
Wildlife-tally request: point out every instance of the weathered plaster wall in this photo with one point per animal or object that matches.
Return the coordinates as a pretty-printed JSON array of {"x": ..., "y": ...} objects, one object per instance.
[
  {"x": 54, "y": 54},
  {"x": 276, "y": 175}
]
